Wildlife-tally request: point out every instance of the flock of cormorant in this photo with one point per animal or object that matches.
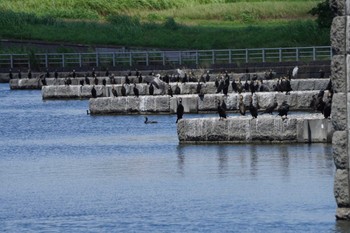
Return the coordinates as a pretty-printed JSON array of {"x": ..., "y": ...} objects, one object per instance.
[{"x": 251, "y": 84}]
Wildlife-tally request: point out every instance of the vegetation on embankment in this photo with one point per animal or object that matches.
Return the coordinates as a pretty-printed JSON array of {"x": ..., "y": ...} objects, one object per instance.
[{"x": 178, "y": 24}]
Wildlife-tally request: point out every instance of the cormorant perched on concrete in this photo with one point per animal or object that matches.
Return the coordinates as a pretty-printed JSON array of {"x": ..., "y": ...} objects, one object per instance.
[
  {"x": 112, "y": 79},
  {"x": 43, "y": 80},
  {"x": 47, "y": 73},
  {"x": 137, "y": 73},
  {"x": 223, "y": 105},
  {"x": 68, "y": 81},
  {"x": 271, "y": 108},
  {"x": 177, "y": 90},
  {"x": 217, "y": 82},
  {"x": 283, "y": 109},
  {"x": 127, "y": 80},
  {"x": 252, "y": 87},
  {"x": 246, "y": 86},
  {"x": 239, "y": 87},
  {"x": 87, "y": 81},
  {"x": 330, "y": 86},
  {"x": 221, "y": 111},
  {"x": 136, "y": 91},
  {"x": 170, "y": 91},
  {"x": 319, "y": 101},
  {"x": 123, "y": 90},
  {"x": 151, "y": 89},
  {"x": 81, "y": 82},
  {"x": 149, "y": 122},
  {"x": 73, "y": 74},
  {"x": 93, "y": 92},
  {"x": 93, "y": 74},
  {"x": 19, "y": 74},
  {"x": 107, "y": 72},
  {"x": 226, "y": 86},
  {"x": 327, "y": 107},
  {"x": 104, "y": 82},
  {"x": 202, "y": 79},
  {"x": 95, "y": 80},
  {"x": 56, "y": 74},
  {"x": 29, "y": 74},
  {"x": 234, "y": 86},
  {"x": 10, "y": 74},
  {"x": 313, "y": 102},
  {"x": 199, "y": 87},
  {"x": 252, "y": 109},
  {"x": 207, "y": 77},
  {"x": 179, "y": 110},
  {"x": 114, "y": 92},
  {"x": 221, "y": 85},
  {"x": 241, "y": 105},
  {"x": 185, "y": 79},
  {"x": 140, "y": 77}
]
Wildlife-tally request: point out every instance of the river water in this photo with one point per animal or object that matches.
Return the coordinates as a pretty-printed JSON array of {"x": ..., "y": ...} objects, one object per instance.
[{"x": 62, "y": 170}]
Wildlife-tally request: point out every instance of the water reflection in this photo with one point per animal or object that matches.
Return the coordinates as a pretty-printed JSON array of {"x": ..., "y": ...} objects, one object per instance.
[
  {"x": 222, "y": 157},
  {"x": 284, "y": 155},
  {"x": 180, "y": 158},
  {"x": 253, "y": 161}
]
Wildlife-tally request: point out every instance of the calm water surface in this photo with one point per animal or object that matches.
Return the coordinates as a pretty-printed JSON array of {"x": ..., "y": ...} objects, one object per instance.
[{"x": 64, "y": 171}]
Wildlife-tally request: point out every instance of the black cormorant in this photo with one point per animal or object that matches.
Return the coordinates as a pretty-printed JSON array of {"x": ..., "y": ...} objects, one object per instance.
[
  {"x": 81, "y": 82},
  {"x": 252, "y": 109},
  {"x": 95, "y": 80},
  {"x": 283, "y": 109},
  {"x": 170, "y": 91},
  {"x": 29, "y": 74},
  {"x": 10, "y": 74},
  {"x": 114, "y": 92},
  {"x": 149, "y": 122},
  {"x": 104, "y": 82},
  {"x": 151, "y": 89},
  {"x": 241, "y": 105},
  {"x": 123, "y": 90},
  {"x": 136, "y": 91},
  {"x": 73, "y": 74},
  {"x": 87, "y": 80},
  {"x": 327, "y": 107},
  {"x": 177, "y": 90},
  {"x": 179, "y": 110},
  {"x": 221, "y": 111},
  {"x": 93, "y": 92}
]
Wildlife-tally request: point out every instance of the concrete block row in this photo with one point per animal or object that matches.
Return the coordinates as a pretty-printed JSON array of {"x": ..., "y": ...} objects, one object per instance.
[
  {"x": 266, "y": 129},
  {"x": 193, "y": 103}
]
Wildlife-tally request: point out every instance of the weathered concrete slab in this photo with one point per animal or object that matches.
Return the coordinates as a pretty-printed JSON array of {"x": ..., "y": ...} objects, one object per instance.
[
  {"x": 188, "y": 88},
  {"x": 193, "y": 103},
  {"x": 267, "y": 129}
]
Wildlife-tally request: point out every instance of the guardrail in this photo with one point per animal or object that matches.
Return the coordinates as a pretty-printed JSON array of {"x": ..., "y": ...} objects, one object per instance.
[{"x": 164, "y": 58}]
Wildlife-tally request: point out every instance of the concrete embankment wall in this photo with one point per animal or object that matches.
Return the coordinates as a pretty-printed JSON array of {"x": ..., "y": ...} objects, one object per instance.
[
  {"x": 264, "y": 129},
  {"x": 299, "y": 100},
  {"x": 75, "y": 91}
]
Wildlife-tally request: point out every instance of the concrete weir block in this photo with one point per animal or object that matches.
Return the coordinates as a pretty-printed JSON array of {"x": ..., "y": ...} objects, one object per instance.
[
  {"x": 341, "y": 187},
  {"x": 338, "y": 35},
  {"x": 338, "y": 73},
  {"x": 129, "y": 105},
  {"x": 339, "y": 113},
  {"x": 340, "y": 149},
  {"x": 190, "y": 103},
  {"x": 267, "y": 129}
]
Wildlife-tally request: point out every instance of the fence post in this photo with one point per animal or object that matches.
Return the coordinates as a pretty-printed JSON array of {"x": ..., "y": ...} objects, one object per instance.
[
  {"x": 246, "y": 55},
  {"x": 80, "y": 60},
  {"x": 280, "y": 54},
  {"x": 314, "y": 53},
  {"x": 62, "y": 60},
  {"x": 263, "y": 55},
  {"x": 197, "y": 57},
  {"x": 296, "y": 54},
  {"x": 163, "y": 57},
  {"x": 113, "y": 58}
]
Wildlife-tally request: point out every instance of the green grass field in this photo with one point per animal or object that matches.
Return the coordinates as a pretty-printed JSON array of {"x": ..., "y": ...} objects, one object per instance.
[{"x": 173, "y": 24}]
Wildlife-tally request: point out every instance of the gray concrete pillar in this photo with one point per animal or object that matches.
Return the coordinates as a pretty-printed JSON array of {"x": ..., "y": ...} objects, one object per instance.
[{"x": 340, "y": 68}]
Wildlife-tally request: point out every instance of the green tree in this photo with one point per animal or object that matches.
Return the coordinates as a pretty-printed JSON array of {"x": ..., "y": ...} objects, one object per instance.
[{"x": 324, "y": 14}]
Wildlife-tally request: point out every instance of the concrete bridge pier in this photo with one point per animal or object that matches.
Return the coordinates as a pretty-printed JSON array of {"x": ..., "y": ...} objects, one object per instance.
[{"x": 340, "y": 76}]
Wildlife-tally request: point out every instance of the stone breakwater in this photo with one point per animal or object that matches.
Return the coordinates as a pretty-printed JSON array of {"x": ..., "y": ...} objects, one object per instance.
[
  {"x": 81, "y": 92},
  {"x": 299, "y": 100},
  {"x": 309, "y": 128}
]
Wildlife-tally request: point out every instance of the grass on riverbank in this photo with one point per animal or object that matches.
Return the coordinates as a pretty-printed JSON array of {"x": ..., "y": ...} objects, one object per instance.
[{"x": 178, "y": 24}]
